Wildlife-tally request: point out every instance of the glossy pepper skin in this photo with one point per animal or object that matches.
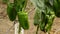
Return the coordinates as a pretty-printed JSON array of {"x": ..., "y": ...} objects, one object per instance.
[
  {"x": 47, "y": 20},
  {"x": 43, "y": 19},
  {"x": 50, "y": 17},
  {"x": 11, "y": 11},
  {"x": 23, "y": 19},
  {"x": 37, "y": 17}
]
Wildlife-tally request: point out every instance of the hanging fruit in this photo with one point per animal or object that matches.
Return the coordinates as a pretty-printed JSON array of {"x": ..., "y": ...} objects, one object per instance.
[
  {"x": 11, "y": 11},
  {"x": 23, "y": 20},
  {"x": 50, "y": 18}
]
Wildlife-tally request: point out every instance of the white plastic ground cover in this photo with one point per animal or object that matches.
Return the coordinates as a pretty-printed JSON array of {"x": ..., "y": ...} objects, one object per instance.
[{"x": 16, "y": 29}]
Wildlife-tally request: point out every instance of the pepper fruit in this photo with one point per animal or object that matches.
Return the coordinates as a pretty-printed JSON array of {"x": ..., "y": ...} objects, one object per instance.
[
  {"x": 11, "y": 11},
  {"x": 23, "y": 19}
]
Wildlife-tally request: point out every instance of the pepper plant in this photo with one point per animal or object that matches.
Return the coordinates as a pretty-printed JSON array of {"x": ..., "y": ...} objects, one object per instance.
[
  {"x": 45, "y": 12},
  {"x": 17, "y": 8}
]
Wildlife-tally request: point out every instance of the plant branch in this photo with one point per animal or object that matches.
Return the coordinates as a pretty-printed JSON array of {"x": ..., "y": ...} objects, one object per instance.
[{"x": 37, "y": 29}]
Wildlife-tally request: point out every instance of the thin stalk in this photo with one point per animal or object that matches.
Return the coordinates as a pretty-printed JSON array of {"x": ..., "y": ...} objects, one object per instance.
[
  {"x": 19, "y": 29},
  {"x": 37, "y": 29}
]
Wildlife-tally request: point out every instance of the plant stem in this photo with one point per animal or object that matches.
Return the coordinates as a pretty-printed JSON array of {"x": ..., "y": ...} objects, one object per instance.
[
  {"x": 37, "y": 29},
  {"x": 19, "y": 29}
]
